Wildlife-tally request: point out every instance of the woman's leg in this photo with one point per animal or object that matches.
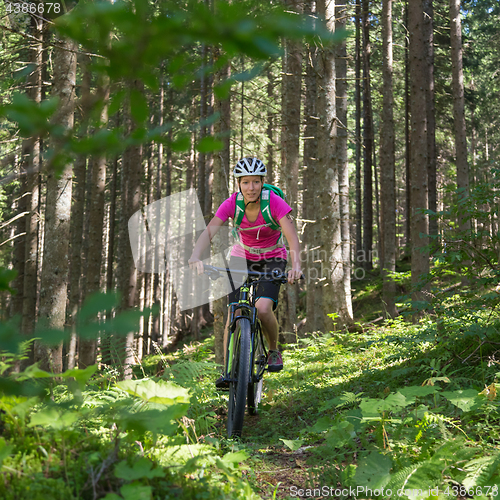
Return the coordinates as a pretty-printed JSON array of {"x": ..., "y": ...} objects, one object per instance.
[{"x": 268, "y": 320}]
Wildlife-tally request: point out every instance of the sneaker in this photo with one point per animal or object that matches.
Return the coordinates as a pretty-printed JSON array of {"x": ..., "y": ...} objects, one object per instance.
[
  {"x": 222, "y": 383},
  {"x": 274, "y": 361}
]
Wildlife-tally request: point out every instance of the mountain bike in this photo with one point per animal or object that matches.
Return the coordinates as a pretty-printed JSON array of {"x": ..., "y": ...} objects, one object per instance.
[{"x": 246, "y": 357}]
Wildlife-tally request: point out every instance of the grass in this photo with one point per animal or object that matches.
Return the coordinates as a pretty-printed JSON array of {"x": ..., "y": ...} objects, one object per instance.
[
  {"x": 298, "y": 439},
  {"x": 395, "y": 405}
]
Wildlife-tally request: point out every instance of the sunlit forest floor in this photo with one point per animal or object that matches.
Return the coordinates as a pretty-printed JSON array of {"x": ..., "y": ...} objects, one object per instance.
[
  {"x": 395, "y": 404},
  {"x": 388, "y": 409}
]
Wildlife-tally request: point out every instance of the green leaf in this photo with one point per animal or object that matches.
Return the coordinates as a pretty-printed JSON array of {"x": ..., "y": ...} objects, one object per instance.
[
  {"x": 81, "y": 376},
  {"x": 138, "y": 106},
  {"x": 34, "y": 371},
  {"x": 322, "y": 424},
  {"x": 374, "y": 407},
  {"x": 419, "y": 391},
  {"x": 373, "y": 471},
  {"x": 51, "y": 417},
  {"x": 6, "y": 276},
  {"x": 5, "y": 450},
  {"x": 9, "y": 335},
  {"x": 181, "y": 144},
  {"x": 340, "y": 434},
  {"x": 116, "y": 102},
  {"x": 294, "y": 444},
  {"x": 136, "y": 491},
  {"x": 153, "y": 420},
  {"x": 466, "y": 400},
  {"x": 208, "y": 144},
  {"x": 223, "y": 90},
  {"x": 96, "y": 303},
  {"x": 162, "y": 392},
  {"x": 143, "y": 468},
  {"x": 235, "y": 457}
]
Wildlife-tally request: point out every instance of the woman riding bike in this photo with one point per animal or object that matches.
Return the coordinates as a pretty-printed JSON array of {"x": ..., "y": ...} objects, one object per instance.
[{"x": 260, "y": 248}]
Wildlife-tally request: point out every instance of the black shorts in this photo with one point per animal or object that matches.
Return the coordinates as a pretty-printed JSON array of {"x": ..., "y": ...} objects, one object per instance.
[{"x": 267, "y": 289}]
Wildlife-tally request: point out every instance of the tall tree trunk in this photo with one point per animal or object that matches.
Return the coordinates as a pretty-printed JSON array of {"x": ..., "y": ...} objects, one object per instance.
[
  {"x": 357, "y": 93},
  {"x": 53, "y": 294},
  {"x": 310, "y": 201},
  {"x": 155, "y": 327},
  {"x": 77, "y": 217},
  {"x": 290, "y": 156},
  {"x": 330, "y": 246},
  {"x": 130, "y": 203},
  {"x": 19, "y": 250},
  {"x": 341, "y": 69},
  {"x": 270, "y": 128},
  {"x": 32, "y": 181},
  {"x": 418, "y": 159},
  {"x": 407, "y": 138},
  {"x": 368, "y": 142},
  {"x": 459, "y": 109},
  {"x": 387, "y": 166},
  {"x": 431, "y": 114},
  {"x": 87, "y": 347},
  {"x": 220, "y": 192}
]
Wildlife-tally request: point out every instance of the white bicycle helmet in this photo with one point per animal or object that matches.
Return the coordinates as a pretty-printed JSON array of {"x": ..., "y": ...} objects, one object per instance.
[{"x": 249, "y": 166}]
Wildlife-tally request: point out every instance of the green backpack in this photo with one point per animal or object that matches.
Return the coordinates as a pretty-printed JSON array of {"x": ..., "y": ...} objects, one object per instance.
[{"x": 265, "y": 209}]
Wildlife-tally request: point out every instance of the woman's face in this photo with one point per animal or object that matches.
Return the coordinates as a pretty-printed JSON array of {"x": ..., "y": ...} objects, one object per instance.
[{"x": 251, "y": 186}]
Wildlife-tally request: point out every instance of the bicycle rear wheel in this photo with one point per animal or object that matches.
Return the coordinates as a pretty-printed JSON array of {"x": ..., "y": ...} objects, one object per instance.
[
  {"x": 239, "y": 377},
  {"x": 258, "y": 366}
]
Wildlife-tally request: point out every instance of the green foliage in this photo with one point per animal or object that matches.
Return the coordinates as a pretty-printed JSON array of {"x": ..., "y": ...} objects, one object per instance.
[{"x": 90, "y": 444}]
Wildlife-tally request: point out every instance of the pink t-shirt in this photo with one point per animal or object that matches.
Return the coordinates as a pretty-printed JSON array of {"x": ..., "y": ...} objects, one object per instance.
[{"x": 260, "y": 237}]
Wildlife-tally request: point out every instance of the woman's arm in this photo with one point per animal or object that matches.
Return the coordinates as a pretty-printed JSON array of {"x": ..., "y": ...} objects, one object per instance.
[
  {"x": 203, "y": 242},
  {"x": 290, "y": 233}
]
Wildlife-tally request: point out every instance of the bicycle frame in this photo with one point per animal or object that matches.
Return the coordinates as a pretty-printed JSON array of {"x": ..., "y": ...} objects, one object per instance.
[
  {"x": 244, "y": 370},
  {"x": 247, "y": 310}
]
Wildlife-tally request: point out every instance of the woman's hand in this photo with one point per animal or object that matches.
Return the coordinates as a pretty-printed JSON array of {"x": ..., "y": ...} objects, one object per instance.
[
  {"x": 196, "y": 264},
  {"x": 294, "y": 273},
  {"x": 203, "y": 243}
]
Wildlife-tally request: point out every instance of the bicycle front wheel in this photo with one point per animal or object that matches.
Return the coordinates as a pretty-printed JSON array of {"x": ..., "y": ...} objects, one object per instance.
[
  {"x": 239, "y": 377},
  {"x": 259, "y": 362}
]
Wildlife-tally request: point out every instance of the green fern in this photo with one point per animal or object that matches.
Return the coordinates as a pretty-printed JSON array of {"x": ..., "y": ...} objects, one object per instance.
[
  {"x": 188, "y": 373},
  {"x": 421, "y": 476},
  {"x": 481, "y": 471}
]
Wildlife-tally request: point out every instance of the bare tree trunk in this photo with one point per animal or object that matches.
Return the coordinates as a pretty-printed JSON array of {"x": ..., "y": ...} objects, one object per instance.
[
  {"x": 290, "y": 157},
  {"x": 310, "y": 201},
  {"x": 431, "y": 114},
  {"x": 55, "y": 265},
  {"x": 77, "y": 219},
  {"x": 88, "y": 347},
  {"x": 220, "y": 192},
  {"x": 155, "y": 327},
  {"x": 387, "y": 166},
  {"x": 130, "y": 203},
  {"x": 270, "y": 129},
  {"x": 19, "y": 249},
  {"x": 341, "y": 69},
  {"x": 32, "y": 182},
  {"x": 419, "y": 160},
  {"x": 459, "y": 110},
  {"x": 357, "y": 98},
  {"x": 407, "y": 138},
  {"x": 368, "y": 143},
  {"x": 330, "y": 244}
]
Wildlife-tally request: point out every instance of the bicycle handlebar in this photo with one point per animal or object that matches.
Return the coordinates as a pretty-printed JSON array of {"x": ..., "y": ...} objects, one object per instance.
[{"x": 213, "y": 273}]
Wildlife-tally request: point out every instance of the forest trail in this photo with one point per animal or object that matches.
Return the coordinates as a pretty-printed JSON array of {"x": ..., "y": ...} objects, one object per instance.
[{"x": 351, "y": 409}]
